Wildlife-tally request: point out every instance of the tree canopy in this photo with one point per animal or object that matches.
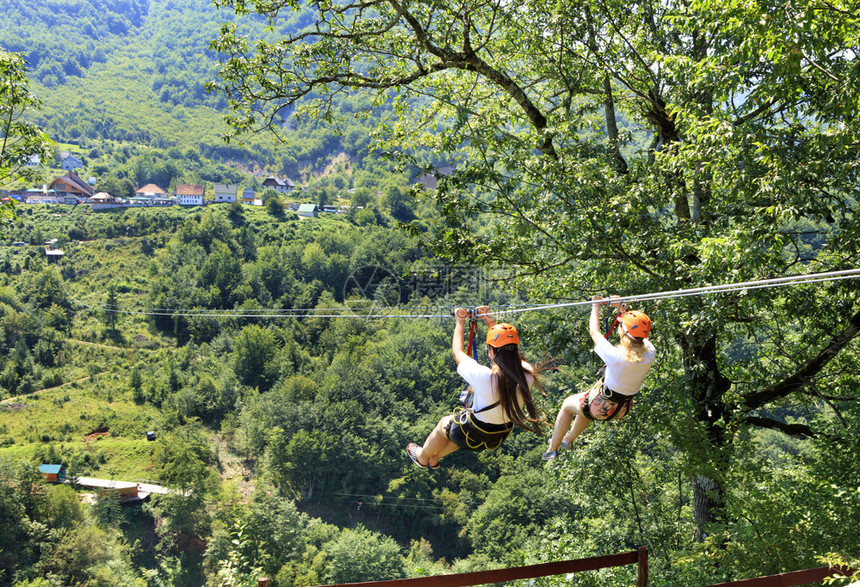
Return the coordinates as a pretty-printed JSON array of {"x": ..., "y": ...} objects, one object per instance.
[
  {"x": 21, "y": 141},
  {"x": 630, "y": 147}
]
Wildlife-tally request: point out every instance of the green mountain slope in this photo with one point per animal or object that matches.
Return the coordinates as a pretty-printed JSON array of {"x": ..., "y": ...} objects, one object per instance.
[
  {"x": 130, "y": 71},
  {"x": 135, "y": 71}
]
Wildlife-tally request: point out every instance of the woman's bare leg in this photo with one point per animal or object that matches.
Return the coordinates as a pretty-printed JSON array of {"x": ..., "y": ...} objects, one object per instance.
[
  {"x": 579, "y": 424},
  {"x": 437, "y": 444},
  {"x": 561, "y": 430},
  {"x": 448, "y": 449}
]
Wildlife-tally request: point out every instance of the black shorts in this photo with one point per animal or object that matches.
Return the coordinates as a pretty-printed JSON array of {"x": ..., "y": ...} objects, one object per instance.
[
  {"x": 601, "y": 403},
  {"x": 470, "y": 433}
]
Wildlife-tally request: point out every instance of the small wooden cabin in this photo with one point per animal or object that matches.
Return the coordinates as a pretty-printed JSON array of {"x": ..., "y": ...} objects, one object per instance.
[{"x": 53, "y": 473}]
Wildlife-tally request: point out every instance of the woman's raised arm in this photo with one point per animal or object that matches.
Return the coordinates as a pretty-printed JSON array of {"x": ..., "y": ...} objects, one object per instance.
[{"x": 460, "y": 315}]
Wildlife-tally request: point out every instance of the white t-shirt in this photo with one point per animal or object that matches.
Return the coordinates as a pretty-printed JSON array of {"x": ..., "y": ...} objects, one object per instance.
[
  {"x": 480, "y": 378},
  {"x": 621, "y": 376}
]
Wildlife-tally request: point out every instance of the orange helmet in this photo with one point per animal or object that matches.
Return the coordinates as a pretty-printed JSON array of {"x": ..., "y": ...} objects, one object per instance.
[
  {"x": 638, "y": 324},
  {"x": 501, "y": 335}
]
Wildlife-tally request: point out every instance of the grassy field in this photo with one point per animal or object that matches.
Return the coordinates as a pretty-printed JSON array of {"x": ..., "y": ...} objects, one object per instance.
[
  {"x": 83, "y": 408},
  {"x": 93, "y": 418}
]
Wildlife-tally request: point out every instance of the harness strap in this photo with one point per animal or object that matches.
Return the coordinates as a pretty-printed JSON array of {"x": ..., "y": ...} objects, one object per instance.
[
  {"x": 485, "y": 408},
  {"x": 619, "y": 399}
]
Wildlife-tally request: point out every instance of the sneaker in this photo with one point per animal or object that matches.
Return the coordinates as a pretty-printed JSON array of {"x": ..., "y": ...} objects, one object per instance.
[
  {"x": 549, "y": 455},
  {"x": 412, "y": 451},
  {"x": 564, "y": 444}
]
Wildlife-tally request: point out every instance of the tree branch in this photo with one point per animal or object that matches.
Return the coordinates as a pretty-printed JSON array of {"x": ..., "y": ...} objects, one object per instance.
[
  {"x": 803, "y": 376},
  {"x": 796, "y": 430}
]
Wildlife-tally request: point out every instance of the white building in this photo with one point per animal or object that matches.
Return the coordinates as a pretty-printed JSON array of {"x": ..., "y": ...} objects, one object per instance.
[
  {"x": 189, "y": 194},
  {"x": 225, "y": 193}
]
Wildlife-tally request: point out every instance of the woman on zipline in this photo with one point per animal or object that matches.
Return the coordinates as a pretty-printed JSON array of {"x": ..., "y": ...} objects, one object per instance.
[
  {"x": 499, "y": 395},
  {"x": 626, "y": 365}
]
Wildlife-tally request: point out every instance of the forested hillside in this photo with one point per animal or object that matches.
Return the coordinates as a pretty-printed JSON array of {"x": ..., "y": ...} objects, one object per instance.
[
  {"x": 534, "y": 113},
  {"x": 251, "y": 414},
  {"x": 130, "y": 77},
  {"x": 288, "y": 433}
]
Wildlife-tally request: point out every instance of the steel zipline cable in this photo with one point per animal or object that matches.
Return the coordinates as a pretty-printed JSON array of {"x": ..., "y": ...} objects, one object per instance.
[{"x": 400, "y": 312}]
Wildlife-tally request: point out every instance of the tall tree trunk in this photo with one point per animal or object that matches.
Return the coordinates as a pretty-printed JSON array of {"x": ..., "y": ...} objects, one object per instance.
[
  {"x": 707, "y": 503},
  {"x": 612, "y": 127},
  {"x": 708, "y": 386}
]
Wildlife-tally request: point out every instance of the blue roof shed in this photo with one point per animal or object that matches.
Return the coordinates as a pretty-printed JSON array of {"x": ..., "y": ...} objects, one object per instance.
[{"x": 53, "y": 472}]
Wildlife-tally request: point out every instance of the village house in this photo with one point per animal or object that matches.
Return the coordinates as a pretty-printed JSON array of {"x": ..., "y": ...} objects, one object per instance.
[
  {"x": 41, "y": 195},
  {"x": 105, "y": 201},
  {"x": 70, "y": 163},
  {"x": 225, "y": 193},
  {"x": 189, "y": 194},
  {"x": 282, "y": 186},
  {"x": 53, "y": 254},
  {"x": 103, "y": 198},
  {"x": 150, "y": 195},
  {"x": 248, "y": 196},
  {"x": 53, "y": 473},
  {"x": 151, "y": 191},
  {"x": 309, "y": 210},
  {"x": 123, "y": 490},
  {"x": 71, "y": 185}
]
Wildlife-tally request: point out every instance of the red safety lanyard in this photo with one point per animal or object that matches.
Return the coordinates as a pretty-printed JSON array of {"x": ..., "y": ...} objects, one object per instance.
[{"x": 614, "y": 322}]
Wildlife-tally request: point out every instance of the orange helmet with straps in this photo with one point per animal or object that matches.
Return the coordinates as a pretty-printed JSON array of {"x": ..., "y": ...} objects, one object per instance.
[
  {"x": 638, "y": 324},
  {"x": 501, "y": 335}
]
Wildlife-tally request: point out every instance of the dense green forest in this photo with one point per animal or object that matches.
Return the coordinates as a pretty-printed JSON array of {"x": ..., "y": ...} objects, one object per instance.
[
  {"x": 289, "y": 433},
  {"x": 275, "y": 425}
]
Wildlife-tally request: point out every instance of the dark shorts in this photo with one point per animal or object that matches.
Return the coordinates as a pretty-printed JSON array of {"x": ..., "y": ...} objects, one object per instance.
[
  {"x": 596, "y": 403},
  {"x": 470, "y": 433}
]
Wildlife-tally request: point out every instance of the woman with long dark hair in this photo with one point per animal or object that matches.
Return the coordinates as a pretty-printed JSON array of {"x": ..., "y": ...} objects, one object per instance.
[
  {"x": 501, "y": 396},
  {"x": 626, "y": 365}
]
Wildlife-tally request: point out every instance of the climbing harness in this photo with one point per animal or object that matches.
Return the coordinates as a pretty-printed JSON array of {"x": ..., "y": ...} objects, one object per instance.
[
  {"x": 469, "y": 433},
  {"x": 466, "y": 430},
  {"x": 622, "y": 402}
]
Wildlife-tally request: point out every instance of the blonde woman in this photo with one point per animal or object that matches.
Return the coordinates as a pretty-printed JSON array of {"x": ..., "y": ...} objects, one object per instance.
[{"x": 626, "y": 365}]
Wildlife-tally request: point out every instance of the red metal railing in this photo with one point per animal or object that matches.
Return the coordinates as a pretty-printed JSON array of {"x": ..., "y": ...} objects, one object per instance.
[
  {"x": 638, "y": 557},
  {"x": 792, "y": 579}
]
